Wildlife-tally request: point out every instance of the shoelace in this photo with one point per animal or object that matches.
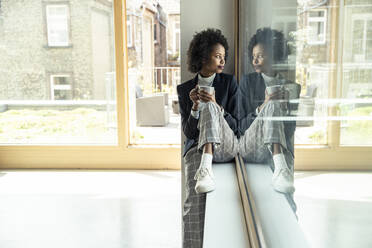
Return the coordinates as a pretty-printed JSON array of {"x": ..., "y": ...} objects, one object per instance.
[{"x": 201, "y": 172}]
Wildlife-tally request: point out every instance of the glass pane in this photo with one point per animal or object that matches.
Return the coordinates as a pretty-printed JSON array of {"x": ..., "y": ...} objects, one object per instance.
[
  {"x": 62, "y": 95},
  {"x": 369, "y": 41},
  {"x": 356, "y": 108},
  {"x": 316, "y": 31},
  {"x": 57, "y": 96},
  {"x": 153, "y": 73},
  {"x": 316, "y": 13},
  {"x": 358, "y": 30},
  {"x": 302, "y": 60},
  {"x": 62, "y": 81}
]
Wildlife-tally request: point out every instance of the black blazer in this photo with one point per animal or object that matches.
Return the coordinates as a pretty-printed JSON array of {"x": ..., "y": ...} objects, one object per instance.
[
  {"x": 226, "y": 92},
  {"x": 251, "y": 95}
]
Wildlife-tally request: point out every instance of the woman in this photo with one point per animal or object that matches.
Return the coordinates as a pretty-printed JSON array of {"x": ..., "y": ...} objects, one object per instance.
[
  {"x": 267, "y": 138},
  {"x": 209, "y": 122}
]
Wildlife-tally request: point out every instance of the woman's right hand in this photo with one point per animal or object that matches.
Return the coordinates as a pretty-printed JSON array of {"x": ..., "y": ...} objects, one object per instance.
[
  {"x": 278, "y": 95},
  {"x": 194, "y": 97}
]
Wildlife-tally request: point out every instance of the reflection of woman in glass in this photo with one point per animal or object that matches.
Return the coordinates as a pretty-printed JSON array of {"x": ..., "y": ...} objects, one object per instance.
[
  {"x": 209, "y": 122},
  {"x": 265, "y": 137}
]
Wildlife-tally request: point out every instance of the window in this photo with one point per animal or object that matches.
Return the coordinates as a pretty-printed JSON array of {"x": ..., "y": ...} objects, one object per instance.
[
  {"x": 129, "y": 32},
  {"x": 155, "y": 33},
  {"x": 153, "y": 63},
  {"x": 61, "y": 87},
  {"x": 331, "y": 60},
  {"x": 317, "y": 27},
  {"x": 362, "y": 37},
  {"x": 176, "y": 38},
  {"x": 91, "y": 131},
  {"x": 57, "y": 25}
]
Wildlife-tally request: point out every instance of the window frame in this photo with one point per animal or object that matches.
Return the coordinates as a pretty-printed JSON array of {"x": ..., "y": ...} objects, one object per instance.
[
  {"x": 365, "y": 18},
  {"x": 54, "y": 87},
  {"x": 319, "y": 20},
  {"x": 47, "y": 24},
  {"x": 332, "y": 155},
  {"x": 125, "y": 156},
  {"x": 120, "y": 156}
]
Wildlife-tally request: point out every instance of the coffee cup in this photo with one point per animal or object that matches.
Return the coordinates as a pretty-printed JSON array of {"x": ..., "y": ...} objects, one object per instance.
[
  {"x": 272, "y": 89},
  {"x": 208, "y": 89}
]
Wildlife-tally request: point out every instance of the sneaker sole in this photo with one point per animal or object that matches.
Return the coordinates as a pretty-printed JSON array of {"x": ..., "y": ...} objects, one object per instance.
[
  {"x": 201, "y": 190},
  {"x": 283, "y": 189}
]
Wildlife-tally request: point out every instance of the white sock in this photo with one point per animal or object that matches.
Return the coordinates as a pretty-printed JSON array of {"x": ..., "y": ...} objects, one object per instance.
[
  {"x": 206, "y": 160},
  {"x": 279, "y": 161}
]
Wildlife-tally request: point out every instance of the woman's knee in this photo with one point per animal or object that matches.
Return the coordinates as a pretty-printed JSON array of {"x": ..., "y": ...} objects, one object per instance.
[
  {"x": 272, "y": 108},
  {"x": 209, "y": 107}
]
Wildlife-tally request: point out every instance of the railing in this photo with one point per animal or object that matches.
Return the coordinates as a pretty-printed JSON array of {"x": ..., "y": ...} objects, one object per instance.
[{"x": 166, "y": 79}]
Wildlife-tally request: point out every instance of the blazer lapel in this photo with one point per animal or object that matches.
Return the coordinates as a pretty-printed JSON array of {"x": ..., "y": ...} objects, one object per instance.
[
  {"x": 217, "y": 87},
  {"x": 259, "y": 90}
]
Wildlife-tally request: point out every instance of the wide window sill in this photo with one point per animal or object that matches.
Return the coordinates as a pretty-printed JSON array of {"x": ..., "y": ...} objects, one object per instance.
[{"x": 57, "y": 47}]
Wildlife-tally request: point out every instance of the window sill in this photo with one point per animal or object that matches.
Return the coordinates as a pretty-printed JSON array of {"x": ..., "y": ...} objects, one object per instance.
[{"x": 57, "y": 47}]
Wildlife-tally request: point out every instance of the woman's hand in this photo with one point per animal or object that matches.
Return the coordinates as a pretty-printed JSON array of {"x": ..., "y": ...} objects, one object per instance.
[
  {"x": 194, "y": 97},
  {"x": 278, "y": 95},
  {"x": 206, "y": 97}
]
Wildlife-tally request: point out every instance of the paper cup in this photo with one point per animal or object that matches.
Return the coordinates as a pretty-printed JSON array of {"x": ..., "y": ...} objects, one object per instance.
[
  {"x": 272, "y": 89},
  {"x": 208, "y": 89}
]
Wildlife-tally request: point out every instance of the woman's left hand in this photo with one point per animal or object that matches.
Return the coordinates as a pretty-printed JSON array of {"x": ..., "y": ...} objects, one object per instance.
[{"x": 206, "y": 97}]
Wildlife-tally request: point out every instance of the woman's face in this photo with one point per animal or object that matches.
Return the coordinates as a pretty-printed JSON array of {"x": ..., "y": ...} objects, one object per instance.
[
  {"x": 260, "y": 60},
  {"x": 216, "y": 61}
]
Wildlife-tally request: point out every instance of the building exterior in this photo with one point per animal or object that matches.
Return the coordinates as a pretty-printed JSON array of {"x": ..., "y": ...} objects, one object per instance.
[
  {"x": 63, "y": 50},
  {"x": 331, "y": 37},
  {"x": 55, "y": 50},
  {"x": 153, "y": 44}
]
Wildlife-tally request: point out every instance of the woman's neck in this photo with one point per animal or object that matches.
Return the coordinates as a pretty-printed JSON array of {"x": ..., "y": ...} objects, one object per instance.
[
  {"x": 270, "y": 73},
  {"x": 205, "y": 73}
]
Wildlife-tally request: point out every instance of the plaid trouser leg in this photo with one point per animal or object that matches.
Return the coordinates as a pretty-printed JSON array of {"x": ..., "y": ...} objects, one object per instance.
[
  {"x": 209, "y": 125},
  {"x": 194, "y": 205},
  {"x": 213, "y": 128},
  {"x": 264, "y": 131}
]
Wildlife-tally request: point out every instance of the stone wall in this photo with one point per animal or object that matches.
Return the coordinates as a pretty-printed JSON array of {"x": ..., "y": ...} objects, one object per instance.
[{"x": 26, "y": 60}]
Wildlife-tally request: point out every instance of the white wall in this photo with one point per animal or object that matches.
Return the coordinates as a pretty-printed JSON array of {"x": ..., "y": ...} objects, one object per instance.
[{"x": 197, "y": 15}]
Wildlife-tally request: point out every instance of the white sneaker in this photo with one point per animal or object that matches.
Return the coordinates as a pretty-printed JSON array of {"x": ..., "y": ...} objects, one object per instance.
[
  {"x": 283, "y": 180},
  {"x": 204, "y": 180}
]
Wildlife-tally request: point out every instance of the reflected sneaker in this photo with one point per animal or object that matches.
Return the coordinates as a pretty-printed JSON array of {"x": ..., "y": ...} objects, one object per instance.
[
  {"x": 204, "y": 179},
  {"x": 282, "y": 180}
]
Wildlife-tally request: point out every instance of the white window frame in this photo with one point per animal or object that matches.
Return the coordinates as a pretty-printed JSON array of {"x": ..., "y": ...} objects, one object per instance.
[
  {"x": 175, "y": 32},
  {"x": 50, "y": 27},
  {"x": 54, "y": 87},
  {"x": 323, "y": 20},
  {"x": 365, "y": 18}
]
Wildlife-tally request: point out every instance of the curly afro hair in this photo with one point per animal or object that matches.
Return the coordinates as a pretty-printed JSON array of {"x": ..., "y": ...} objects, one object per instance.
[
  {"x": 273, "y": 42},
  {"x": 201, "y": 47}
]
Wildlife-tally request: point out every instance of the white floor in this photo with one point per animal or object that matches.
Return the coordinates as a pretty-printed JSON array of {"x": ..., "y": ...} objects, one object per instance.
[
  {"x": 334, "y": 209},
  {"x": 90, "y": 209},
  {"x": 140, "y": 209}
]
